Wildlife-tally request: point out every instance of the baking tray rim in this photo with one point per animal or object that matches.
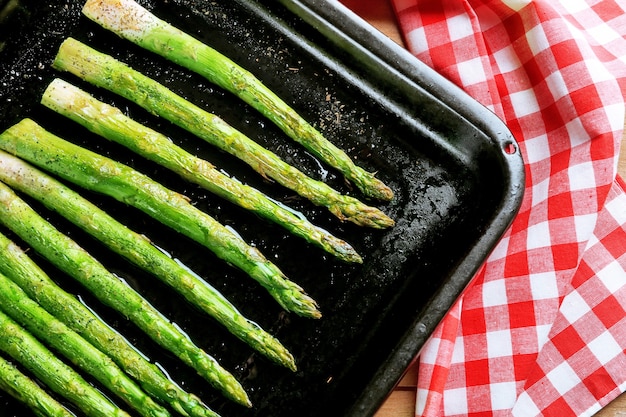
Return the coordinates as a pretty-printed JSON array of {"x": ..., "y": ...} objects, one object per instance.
[{"x": 338, "y": 22}]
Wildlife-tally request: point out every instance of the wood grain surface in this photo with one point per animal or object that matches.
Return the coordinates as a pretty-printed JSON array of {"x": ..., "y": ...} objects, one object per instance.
[{"x": 401, "y": 402}]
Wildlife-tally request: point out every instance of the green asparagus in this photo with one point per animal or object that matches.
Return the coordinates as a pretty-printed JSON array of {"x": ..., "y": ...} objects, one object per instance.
[
  {"x": 131, "y": 21},
  {"x": 18, "y": 267},
  {"x": 30, "y": 141},
  {"x": 106, "y": 72},
  {"x": 25, "y": 390},
  {"x": 41, "y": 324},
  {"x": 60, "y": 250},
  {"x": 113, "y": 125},
  {"x": 137, "y": 248},
  {"x": 60, "y": 378}
]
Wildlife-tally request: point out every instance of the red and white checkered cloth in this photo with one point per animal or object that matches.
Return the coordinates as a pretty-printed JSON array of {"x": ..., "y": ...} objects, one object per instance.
[{"x": 542, "y": 328}]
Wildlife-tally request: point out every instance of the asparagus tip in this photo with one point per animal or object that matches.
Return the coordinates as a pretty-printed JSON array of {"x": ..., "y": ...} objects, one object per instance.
[
  {"x": 382, "y": 192},
  {"x": 377, "y": 189},
  {"x": 362, "y": 215},
  {"x": 302, "y": 305},
  {"x": 309, "y": 309},
  {"x": 233, "y": 390},
  {"x": 371, "y": 186}
]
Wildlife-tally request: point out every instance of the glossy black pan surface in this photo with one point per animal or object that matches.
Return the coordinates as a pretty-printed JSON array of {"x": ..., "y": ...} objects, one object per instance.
[{"x": 449, "y": 161}]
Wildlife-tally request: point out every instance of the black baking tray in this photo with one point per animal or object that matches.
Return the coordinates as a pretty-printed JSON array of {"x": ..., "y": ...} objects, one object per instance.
[{"x": 455, "y": 169}]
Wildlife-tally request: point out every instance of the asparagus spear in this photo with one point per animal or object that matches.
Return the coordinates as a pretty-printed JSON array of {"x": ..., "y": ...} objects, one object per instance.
[
  {"x": 107, "y": 72},
  {"x": 30, "y": 141},
  {"x": 41, "y": 324},
  {"x": 25, "y": 349},
  {"x": 112, "y": 124},
  {"x": 24, "y": 389},
  {"x": 18, "y": 267},
  {"x": 137, "y": 249},
  {"x": 63, "y": 252},
  {"x": 129, "y": 20}
]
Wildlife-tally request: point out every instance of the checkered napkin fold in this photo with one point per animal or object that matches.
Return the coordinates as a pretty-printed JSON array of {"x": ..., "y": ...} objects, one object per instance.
[{"x": 542, "y": 328}]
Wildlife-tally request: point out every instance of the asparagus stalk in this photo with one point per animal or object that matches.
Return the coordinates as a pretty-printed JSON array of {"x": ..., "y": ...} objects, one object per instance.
[
  {"x": 64, "y": 253},
  {"x": 98, "y": 173},
  {"x": 106, "y": 72},
  {"x": 131, "y": 21},
  {"x": 41, "y": 324},
  {"x": 25, "y": 390},
  {"x": 113, "y": 125},
  {"x": 18, "y": 267},
  {"x": 25, "y": 349},
  {"x": 138, "y": 249}
]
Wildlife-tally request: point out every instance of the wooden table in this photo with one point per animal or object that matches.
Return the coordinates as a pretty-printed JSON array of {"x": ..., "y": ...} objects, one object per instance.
[{"x": 401, "y": 402}]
